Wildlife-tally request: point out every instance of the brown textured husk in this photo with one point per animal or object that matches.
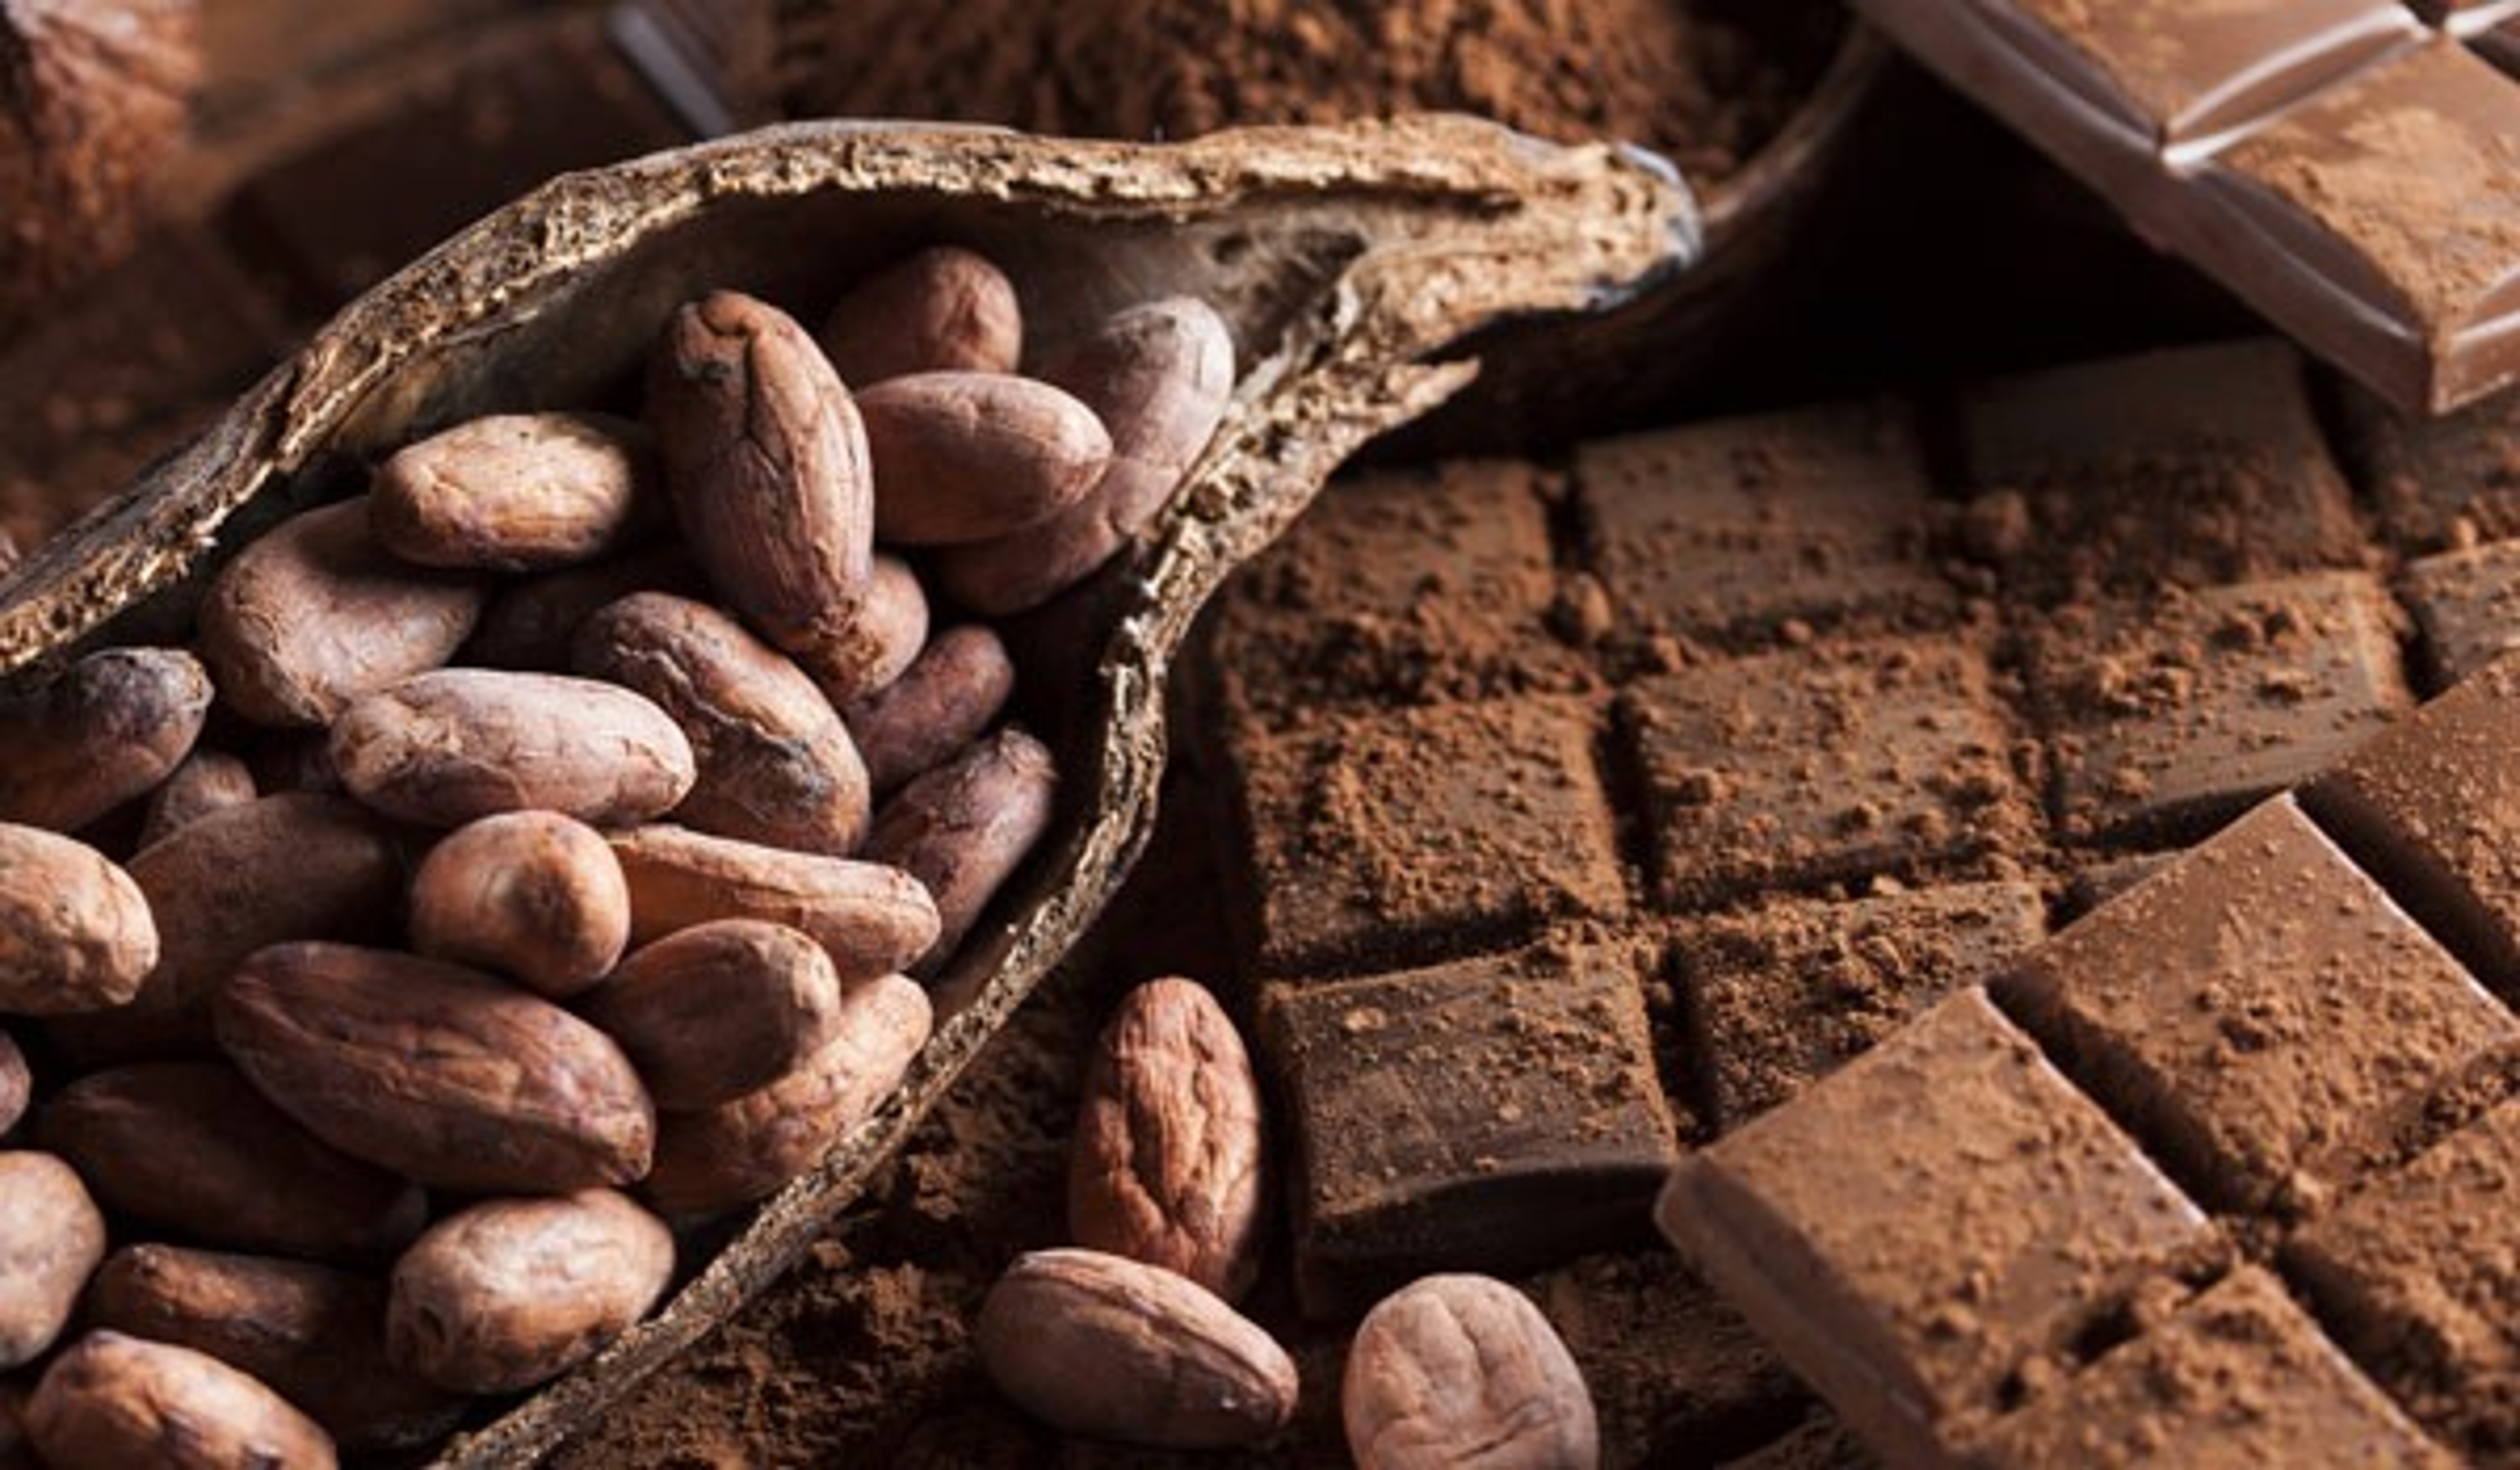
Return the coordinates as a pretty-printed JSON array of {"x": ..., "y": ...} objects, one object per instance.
[{"x": 1345, "y": 259}]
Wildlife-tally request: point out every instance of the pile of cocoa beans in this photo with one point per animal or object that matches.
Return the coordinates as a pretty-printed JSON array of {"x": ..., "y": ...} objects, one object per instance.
[
  {"x": 1133, "y": 1334},
  {"x": 527, "y": 854}
]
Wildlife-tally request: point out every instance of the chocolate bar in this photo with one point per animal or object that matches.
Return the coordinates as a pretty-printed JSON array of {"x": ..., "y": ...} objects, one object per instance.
[
  {"x": 2466, "y": 605},
  {"x": 2340, "y": 165},
  {"x": 2293, "y": 1036}
]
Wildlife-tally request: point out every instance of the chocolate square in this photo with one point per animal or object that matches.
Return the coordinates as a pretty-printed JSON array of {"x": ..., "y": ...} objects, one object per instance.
[
  {"x": 1415, "y": 586},
  {"x": 2429, "y": 808},
  {"x": 2260, "y": 1014},
  {"x": 1487, "y": 1115},
  {"x": 2467, "y": 606},
  {"x": 1783, "y": 996},
  {"x": 2168, "y": 717},
  {"x": 2239, "y": 1376},
  {"x": 2440, "y": 483},
  {"x": 1733, "y": 530},
  {"x": 1820, "y": 764},
  {"x": 1916, "y": 1231},
  {"x": 2421, "y": 1274},
  {"x": 1399, "y": 837},
  {"x": 2195, "y": 465}
]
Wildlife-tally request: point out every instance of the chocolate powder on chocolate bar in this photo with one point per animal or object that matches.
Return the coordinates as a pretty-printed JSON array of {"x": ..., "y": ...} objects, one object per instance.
[{"x": 1704, "y": 80}]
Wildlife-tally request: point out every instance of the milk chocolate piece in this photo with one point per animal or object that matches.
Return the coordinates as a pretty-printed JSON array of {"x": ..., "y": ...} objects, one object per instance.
[
  {"x": 2430, "y": 808},
  {"x": 1817, "y": 765},
  {"x": 2171, "y": 716},
  {"x": 2467, "y": 606},
  {"x": 1923, "y": 1232},
  {"x": 1456, "y": 603},
  {"x": 1488, "y": 1115},
  {"x": 2193, "y": 465},
  {"x": 2260, "y": 1014},
  {"x": 2417, "y": 1273},
  {"x": 1736, "y": 528},
  {"x": 2331, "y": 161},
  {"x": 2239, "y": 1376},
  {"x": 1394, "y": 836},
  {"x": 1779, "y": 998},
  {"x": 2440, "y": 483}
]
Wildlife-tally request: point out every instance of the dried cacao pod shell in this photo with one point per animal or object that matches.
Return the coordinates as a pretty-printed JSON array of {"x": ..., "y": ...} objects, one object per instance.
[{"x": 1346, "y": 261}]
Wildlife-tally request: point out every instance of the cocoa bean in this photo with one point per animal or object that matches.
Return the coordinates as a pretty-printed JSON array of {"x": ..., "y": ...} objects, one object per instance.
[
  {"x": 941, "y": 703},
  {"x": 191, "y": 1148},
  {"x": 512, "y": 492},
  {"x": 870, "y": 919},
  {"x": 1458, "y": 1367},
  {"x": 107, "y": 730},
  {"x": 208, "y": 780},
  {"x": 110, "y": 1401},
  {"x": 766, "y": 462},
  {"x": 744, "y": 1150},
  {"x": 76, "y": 931},
  {"x": 776, "y": 764},
  {"x": 1097, "y": 1345},
  {"x": 515, "y": 1292},
  {"x": 441, "y": 1073},
  {"x": 963, "y": 457},
  {"x": 1166, "y": 1166},
  {"x": 963, "y": 829},
  {"x": 315, "y": 1334},
  {"x": 51, "y": 1237},
  {"x": 531, "y": 623},
  {"x": 534, "y": 895},
  {"x": 445, "y": 747},
  {"x": 719, "y": 1009},
  {"x": 944, "y": 309},
  {"x": 315, "y": 613}
]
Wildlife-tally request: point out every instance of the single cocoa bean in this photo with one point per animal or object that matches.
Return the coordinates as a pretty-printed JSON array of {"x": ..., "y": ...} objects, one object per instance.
[
  {"x": 208, "y": 780},
  {"x": 110, "y": 1401},
  {"x": 531, "y": 623},
  {"x": 744, "y": 1150},
  {"x": 445, "y": 747},
  {"x": 1161, "y": 377},
  {"x": 513, "y": 492},
  {"x": 719, "y": 1009},
  {"x": 963, "y": 829},
  {"x": 315, "y": 1334},
  {"x": 941, "y": 703},
  {"x": 191, "y": 1148},
  {"x": 76, "y": 931},
  {"x": 534, "y": 895},
  {"x": 441, "y": 1073},
  {"x": 896, "y": 620},
  {"x": 1457, "y": 1368},
  {"x": 1166, "y": 1166},
  {"x": 766, "y": 462},
  {"x": 51, "y": 1238},
  {"x": 962, "y": 456},
  {"x": 515, "y": 1292},
  {"x": 315, "y": 613},
  {"x": 17, "y": 1083},
  {"x": 107, "y": 730},
  {"x": 1099, "y": 1345},
  {"x": 278, "y": 868},
  {"x": 775, "y": 763},
  {"x": 944, "y": 309},
  {"x": 872, "y": 920}
]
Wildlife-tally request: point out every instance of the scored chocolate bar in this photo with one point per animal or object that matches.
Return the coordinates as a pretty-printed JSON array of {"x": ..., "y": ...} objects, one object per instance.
[
  {"x": 2345, "y": 166},
  {"x": 2222, "y": 1174}
]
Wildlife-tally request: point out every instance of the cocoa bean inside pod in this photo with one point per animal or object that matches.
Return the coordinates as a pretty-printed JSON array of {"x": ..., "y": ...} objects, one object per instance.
[
  {"x": 1346, "y": 264},
  {"x": 513, "y": 492},
  {"x": 942, "y": 310},
  {"x": 111, "y": 729},
  {"x": 534, "y": 895},
  {"x": 111, "y": 1400},
  {"x": 76, "y": 930},
  {"x": 51, "y": 1237}
]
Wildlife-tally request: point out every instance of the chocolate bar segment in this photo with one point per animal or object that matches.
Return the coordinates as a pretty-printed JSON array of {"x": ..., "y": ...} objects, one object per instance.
[
  {"x": 2261, "y": 1014},
  {"x": 1923, "y": 1230},
  {"x": 2443, "y": 484},
  {"x": 2467, "y": 606},
  {"x": 1489, "y": 1115},
  {"x": 2240, "y": 1376}
]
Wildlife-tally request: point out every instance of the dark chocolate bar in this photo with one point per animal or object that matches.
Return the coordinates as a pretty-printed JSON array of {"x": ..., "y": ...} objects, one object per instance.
[{"x": 2340, "y": 165}]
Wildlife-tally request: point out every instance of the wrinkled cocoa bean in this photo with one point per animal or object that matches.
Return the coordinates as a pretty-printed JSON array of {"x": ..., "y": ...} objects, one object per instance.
[
  {"x": 872, "y": 920},
  {"x": 1453, "y": 1368},
  {"x": 944, "y": 309},
  {"x": 445, "y": 747},
  {"x": 963, "y": 457},
  {"x": 76, "y": 931},
  {"x": 51, "y": 1238},
  {"x": 534, "y": 895},
  {"x": 719, "y": 1009},
  {"x": 111, "y": 1401},
  {"x": 512, "y": 492},
  {"x": 963, "y": 829},
  {"x": 959, "y": 684},
  {"x": 107, "y": 730}
]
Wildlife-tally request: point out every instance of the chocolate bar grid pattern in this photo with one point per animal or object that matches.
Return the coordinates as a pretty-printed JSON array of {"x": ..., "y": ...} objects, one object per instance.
[
  {"x": 1542, "y": 618},
  {"x": 2267, "y": 1021},
  {"x": 2344, "y": 165}
]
